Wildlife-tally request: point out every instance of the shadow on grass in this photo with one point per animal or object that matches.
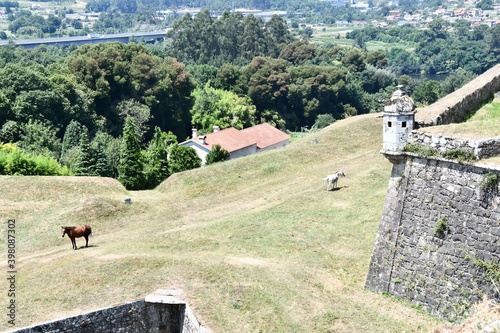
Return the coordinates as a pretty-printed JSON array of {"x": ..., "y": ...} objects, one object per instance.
[
  {"x": 337, "y": 188},
  {"x": 83, "y": 247}
]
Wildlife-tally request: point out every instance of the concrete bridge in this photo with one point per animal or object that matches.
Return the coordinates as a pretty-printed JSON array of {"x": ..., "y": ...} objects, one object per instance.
[{"x": 148, "y": 37}]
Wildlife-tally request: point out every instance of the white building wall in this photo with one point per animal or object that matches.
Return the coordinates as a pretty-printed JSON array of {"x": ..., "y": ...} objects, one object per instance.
[
  {"x": 397, "y": 127},
  {"x": 243, "y": 152},
  {"x": 276, "y": 145}
]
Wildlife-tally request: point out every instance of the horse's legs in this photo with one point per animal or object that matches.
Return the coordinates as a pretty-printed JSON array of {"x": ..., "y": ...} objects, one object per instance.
[
  {"x": 73, "y": 241},
  {"x": 86, "y": 241}
]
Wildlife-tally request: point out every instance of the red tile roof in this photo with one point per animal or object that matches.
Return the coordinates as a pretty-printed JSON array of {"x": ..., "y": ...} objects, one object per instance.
[
  {"x": 231, "y": 139},
  {"x": 265, "y": 135}
]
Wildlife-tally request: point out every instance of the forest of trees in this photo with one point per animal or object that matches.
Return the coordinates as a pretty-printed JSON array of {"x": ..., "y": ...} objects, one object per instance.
[
  {"x": 442, "y": 48},
  {"x": 116, "y": 109}
]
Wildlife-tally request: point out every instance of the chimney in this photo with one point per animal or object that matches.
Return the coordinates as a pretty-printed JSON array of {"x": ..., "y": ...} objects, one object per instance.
[
  {"x": 202, "y": 139},
  {"x": 195, "y": 133},
  {"x": 216, "y": 128}
]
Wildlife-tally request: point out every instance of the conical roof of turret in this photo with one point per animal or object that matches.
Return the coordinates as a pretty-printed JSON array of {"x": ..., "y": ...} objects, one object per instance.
[{"x": 400, "y": 102}]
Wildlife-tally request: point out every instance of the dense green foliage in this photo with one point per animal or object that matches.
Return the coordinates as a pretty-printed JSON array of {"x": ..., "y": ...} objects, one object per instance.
[
  {"x": 233, "y": 38},
  {"x": 119, "y": 72},
  {"x": 216, "y": 107},
  {"x": 70, "y": 104},
  {"x": 442, "y": 48},
  {"x": 183, "y": 158},
  {"x": 15, "y": 161}
]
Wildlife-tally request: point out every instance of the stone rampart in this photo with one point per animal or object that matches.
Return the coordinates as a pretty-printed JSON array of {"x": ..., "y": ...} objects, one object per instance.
[
  {"x": 482, "y": 148},
  {"x": 160, "y": 312},
  {"x": 453, "y": 108},
  {"x": 439, "y": 233}
]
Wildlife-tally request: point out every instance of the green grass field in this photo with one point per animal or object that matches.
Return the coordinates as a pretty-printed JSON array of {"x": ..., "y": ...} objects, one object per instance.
[
  {"x": 336, "y": 35},
  {"x": 257, "y": 243}
]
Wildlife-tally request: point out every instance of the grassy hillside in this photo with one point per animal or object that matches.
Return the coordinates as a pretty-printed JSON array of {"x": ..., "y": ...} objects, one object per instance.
[{"x": 257, "y": 243}]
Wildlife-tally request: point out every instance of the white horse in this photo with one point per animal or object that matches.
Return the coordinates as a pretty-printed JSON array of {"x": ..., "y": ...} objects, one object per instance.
[{"x": 333, "y": 179}]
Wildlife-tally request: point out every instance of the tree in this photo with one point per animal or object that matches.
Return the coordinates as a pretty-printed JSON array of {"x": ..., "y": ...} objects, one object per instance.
[
  {"x": 125, "y": 6},
  {"x": 253, "y": 41},
  {"x": 456, "y": 81},
  {"x": 376, "y": 59},
  {"x": 85, "y": 163},
  {"x": 298, "y": 52},
  {"x": 71, "y": 140},
  {"x": 492, "y": 39},
  {"x": 117, "y": 72},
  {"x": 353, "y": 60},
  {"x": 217, "y": 154},
  {"x": 323, "y": 120},
  {"x": 156, "y": 167},
  {"x": 277, "y": 35},
  {"x": 140, "y": 114},
  {"x": 229, "y": 28},
  {"x": 222, "y": 108},
  {"x": 427, "y": 92},
  {"x": 268, "y": 82},
  {"x": 183, "y": 158},
  {"x": 103, "y": 155},
  {"x": 10, "y": 131},
  {"x": 230, "y": 78},
  {"x": 130, "y": 168},
  {"x": 39, "y": 138},
  {"x": 485, "y": 4}
]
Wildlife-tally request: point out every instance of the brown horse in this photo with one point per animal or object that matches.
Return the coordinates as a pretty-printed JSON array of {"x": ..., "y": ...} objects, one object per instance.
[{"x": 75, "y": 232}]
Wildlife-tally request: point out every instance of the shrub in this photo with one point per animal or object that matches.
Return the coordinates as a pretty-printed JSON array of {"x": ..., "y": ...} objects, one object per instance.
[
  {"x": 217, "y": 154},
  {"x": 459, "y": 154},
  {"x": 19, "y": 163},
  {"x": 491, "y": 270},
  {"x": 420, "y": 150},
  {"x": 490, "y": 182},
  {"x": 441, "y": 227}
]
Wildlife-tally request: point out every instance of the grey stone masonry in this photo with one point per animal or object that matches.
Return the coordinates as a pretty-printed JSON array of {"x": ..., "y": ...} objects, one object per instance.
[
  {"x": 160, "y": 312},
  {"x": 482, "y": 148},
  {"x": 440, "y": 222}
]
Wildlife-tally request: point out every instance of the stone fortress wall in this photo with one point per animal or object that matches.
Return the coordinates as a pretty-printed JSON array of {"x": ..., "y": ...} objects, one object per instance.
[
  {"x": 455, "y": 107},
  {"x": 482, "y": 149},
  {"x": 438, "y": 243},
  {"x": 160, "y": 312}
]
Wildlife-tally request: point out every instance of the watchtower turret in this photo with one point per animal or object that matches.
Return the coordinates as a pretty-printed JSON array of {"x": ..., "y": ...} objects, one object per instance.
[{"x": 399, "y": 118}]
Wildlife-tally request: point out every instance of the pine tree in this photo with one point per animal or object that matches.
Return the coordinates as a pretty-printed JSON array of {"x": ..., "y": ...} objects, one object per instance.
[
  {"x": 99, "y": 145},
  {"x": 130, "y": 168},
  {"x": 156, "y": 166},
  {"x": 71, "y": 140},
  {"x": 84, "y": 164}
]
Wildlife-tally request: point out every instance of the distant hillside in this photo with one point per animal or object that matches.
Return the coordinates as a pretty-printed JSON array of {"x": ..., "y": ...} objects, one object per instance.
[{"x": 257, "y": 243}]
